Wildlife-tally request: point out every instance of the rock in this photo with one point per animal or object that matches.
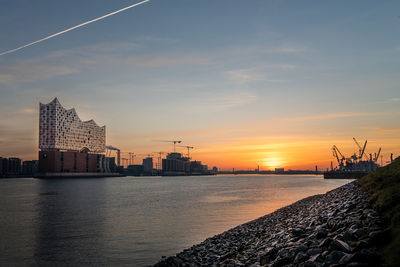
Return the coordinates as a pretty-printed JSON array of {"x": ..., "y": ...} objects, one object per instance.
[
  {"x": 268, "y": 256},
  {"x": 282, "y": 261},
  {"x": 339, "y": 245},
  {"x": 300, "y": 257},
  {"x": 310, "y": 264},
  {"x": 297, "y": 232},
  {"x": 338, "y": 228},
  {"x": 313, "y": 251},
  {"x": 321, "y": 233},
  {"x": 345, "y": 259},
  {"x": 334, "y": 257},
  {"x": 325, "y": 242},
  {"x": 301, "y": 248}
]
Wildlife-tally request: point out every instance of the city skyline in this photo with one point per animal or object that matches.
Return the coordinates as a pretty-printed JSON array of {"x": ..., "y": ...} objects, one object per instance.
[{"x": 245, "y": 84}]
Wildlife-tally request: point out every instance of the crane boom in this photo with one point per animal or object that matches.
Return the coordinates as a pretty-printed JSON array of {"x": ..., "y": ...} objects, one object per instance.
[
  {"x": 377, "y": 155},
  {"x": 188, "y": 147},
  {"x": 363, "y": 150},
  {"x": 359, "y": 147},
  {"x": 170, "y": 141},
  {"x": 336, "y": 155}
]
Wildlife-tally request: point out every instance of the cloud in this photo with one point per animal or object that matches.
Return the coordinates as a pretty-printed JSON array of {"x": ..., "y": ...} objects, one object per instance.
[
  {"x": 168, "y": 61},
  {"x": 266, "y": 49},
  {"x": 245, "y": 76},
  {"x": 334, "y": 116},
  {"x": 223, "y": 101},
  {"x": 25, "y": 72}
]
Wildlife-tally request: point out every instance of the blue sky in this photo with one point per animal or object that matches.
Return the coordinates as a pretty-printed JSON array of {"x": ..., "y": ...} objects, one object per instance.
[{"x": 216, "y": 74}]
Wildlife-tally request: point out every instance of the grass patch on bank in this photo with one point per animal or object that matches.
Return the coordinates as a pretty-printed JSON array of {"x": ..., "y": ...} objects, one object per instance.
[{"x": 384, "y": 187}]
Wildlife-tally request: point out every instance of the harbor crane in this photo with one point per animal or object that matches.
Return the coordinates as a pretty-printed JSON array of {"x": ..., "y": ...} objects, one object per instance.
[
  {"x": 360, "y": 150},
  {"x": 170, "y": 141},
  {"x": 108, "y": 153},
  {"x": 336, "y": 151},
  {"x": 188, "y": 148},
  {"x": 377, "y": 155}
]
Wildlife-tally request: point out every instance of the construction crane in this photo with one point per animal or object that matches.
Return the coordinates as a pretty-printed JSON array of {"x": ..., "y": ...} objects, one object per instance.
[
  {"x": 124, "y": 160},
  {"x": 188, "y": 148},
  {"x": 160, "y": 153},
  {"x": 170, "y": 141},
  {"x": 109, "y": 149},
  {"x": 131, "y": 157}
]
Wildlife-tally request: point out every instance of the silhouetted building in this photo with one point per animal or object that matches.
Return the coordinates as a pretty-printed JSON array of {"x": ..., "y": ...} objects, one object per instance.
[
  {"x": 279, "y": 170},
  {"x": 70, "y": 161},
  {"x": 174, "y": 164},
  {"x": 3, "y": 166},
  {"x": 196, "y": 167},
  {"x": 14, "y": 166},
  {"x": 30, "y": 167},
  {"x": 134, "y": 170},
  {"x": 148, "y": 165}
]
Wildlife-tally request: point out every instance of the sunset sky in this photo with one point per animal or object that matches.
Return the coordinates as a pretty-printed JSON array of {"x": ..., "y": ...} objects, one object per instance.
[{"x": 247, "y": 83}]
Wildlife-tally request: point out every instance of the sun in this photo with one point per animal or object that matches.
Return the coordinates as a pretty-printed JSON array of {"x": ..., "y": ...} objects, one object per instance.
[{"x": 273, "y": 162}]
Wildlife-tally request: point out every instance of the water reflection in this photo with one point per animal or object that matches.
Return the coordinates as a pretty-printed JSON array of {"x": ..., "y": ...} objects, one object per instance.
[{"x": 70, "y": 222}]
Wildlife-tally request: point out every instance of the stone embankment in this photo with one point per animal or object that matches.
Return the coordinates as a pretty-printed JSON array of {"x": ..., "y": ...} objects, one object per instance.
[{"x": 338, "y": 228}]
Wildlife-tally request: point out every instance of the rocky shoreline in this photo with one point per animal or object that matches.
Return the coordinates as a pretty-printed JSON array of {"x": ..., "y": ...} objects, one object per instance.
[{"x": 338, "y": 228}]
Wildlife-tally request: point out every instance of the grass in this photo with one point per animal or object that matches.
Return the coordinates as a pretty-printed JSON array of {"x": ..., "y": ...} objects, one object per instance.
[{"x": 384, "y": 187}]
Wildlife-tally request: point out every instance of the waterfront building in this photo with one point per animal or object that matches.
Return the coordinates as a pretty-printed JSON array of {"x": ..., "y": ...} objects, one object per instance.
[
  {"x": 3, "y": 163},
  {"x": 62, "y": 129},
  {"x": 134, "y": 170},
  {"x": 69, "y": 145},
  {"x": 148, "y": 165},
  {"x": 30, "y": 167},
  {"x": 14, "y": 166},
  {"x": 174, "y": 164},
  {"x": 279, "y": 170}
]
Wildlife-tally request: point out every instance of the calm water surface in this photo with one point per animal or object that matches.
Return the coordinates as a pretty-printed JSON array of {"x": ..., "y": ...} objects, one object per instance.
[{"x": 131, "y": 220}]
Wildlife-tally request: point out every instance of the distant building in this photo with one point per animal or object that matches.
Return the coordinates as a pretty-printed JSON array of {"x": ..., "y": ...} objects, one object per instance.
[
  {"x": 134, "y": 170},
  {"x": 279, "y": 170},
  {"x": 61, "y": 129},
  {"x": 14, "y": 166},
  {"x": 3, "y": 166},
  {"x": 148, "y": 165},
  {"x": 196, "y": 167},
  {"x": 69, "y": 145},
  {"x": 30, "y": 167},
  {"x": 174, "y": 164}
]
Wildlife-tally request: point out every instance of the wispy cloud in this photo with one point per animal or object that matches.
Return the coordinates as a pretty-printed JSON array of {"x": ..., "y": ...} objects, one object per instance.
[
  {"x": 245, "y": 76},
  {"x": 223, "y": 101},
  {"x": 25, "y": 72},
  {"x": 168, "y": 61},
  {"x": 337, "y": 115},
  {"x": 267, "y": 49}
]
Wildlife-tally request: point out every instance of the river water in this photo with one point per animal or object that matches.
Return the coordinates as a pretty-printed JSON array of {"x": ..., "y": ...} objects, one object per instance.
[{"x": 133, "y": 220}]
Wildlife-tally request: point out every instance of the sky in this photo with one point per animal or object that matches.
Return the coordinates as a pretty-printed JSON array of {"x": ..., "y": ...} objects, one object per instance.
[{"x": 269, "y": 83}]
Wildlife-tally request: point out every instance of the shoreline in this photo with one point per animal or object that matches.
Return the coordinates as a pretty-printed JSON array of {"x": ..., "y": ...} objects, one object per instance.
[{"x": 338, "y": 227}]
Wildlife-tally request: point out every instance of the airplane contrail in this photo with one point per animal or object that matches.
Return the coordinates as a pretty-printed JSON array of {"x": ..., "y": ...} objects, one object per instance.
[{"x": 72, "y": 28}]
